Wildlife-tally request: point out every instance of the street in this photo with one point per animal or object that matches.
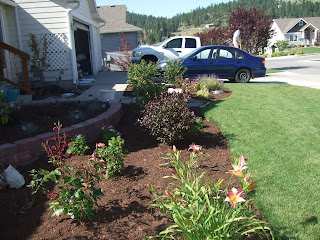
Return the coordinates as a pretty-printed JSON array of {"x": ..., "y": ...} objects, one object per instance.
[{"x": 296, "y": 70}]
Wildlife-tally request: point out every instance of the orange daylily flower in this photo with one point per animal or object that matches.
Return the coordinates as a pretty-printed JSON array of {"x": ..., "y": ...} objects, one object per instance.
[{"x": 234, "y": 196}]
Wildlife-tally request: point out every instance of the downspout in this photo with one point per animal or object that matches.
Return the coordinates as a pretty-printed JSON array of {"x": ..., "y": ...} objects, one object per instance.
[
  {"x": 18, "y": 27},
  {"x": 71, "y": 40}
]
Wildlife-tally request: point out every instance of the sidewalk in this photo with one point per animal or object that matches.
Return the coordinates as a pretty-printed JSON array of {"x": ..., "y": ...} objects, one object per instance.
[
  {"x": 105, "y": 80},
  {"x": 305, "y": 80}
]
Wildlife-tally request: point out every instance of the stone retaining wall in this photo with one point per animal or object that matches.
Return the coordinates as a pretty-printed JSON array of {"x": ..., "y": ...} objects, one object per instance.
[{"x": 26, "y": 151}]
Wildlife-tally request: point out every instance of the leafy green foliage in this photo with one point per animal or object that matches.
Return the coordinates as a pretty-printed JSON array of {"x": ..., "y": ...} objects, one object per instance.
[
  {"x": 4, "y": 110},
  {"x": 200, "y": 209},
  {"x": 110, "y": 157},
  {"x": 108, "y": 133},
  {"x": 168, "y": 117},
  {"x": 78, "y": 145},
  {"x": 142, "y": 77},
  {"x": 282, "y": 44},
  {"x": 279, "y": 54},
  {"x": 77, "y": 193},
  {"x": 204, "y": 84},
  {"x": 173, "y": 71}
]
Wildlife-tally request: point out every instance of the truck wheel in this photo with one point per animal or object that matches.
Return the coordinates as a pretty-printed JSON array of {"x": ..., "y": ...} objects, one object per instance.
[
  {"x": 150, "y": 59},
  {"x": 243, "y": 76}
]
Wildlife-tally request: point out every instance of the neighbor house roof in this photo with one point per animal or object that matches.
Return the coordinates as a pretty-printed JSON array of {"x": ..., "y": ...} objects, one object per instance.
[
  {"x": 115, "y": 17},
  {"x": 285, "y": 24},
  {"x": 9, "y": 2}
]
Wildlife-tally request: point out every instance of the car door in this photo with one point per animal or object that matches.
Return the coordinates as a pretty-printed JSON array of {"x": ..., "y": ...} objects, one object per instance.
[
  {"x": 228, "y": 61},
  {"x": 201, "y": 62},
  {"x": 173, "y": 48}
]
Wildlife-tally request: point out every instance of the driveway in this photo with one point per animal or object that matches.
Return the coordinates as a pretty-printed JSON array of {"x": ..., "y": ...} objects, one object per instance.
[{"x": 296, "y": 70}]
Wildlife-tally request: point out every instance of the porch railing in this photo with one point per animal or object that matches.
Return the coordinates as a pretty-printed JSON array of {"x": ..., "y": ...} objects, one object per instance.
[{"x": 14, "y": 67}]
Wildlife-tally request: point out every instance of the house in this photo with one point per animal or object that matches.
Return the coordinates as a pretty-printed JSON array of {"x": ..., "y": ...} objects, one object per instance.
[
  {"x": 115, "y": 27},
  {"x": 71, "y": 27},
  {"x": 298, "y": 31}
]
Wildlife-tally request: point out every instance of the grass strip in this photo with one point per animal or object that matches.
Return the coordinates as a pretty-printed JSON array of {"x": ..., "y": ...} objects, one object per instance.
[{"x": 277, "y": 127}]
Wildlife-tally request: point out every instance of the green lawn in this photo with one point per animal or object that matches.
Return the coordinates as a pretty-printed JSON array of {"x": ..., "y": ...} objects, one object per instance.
[
  {"x": 277, "y": 127},
  {"x": 310, "y": 50}
]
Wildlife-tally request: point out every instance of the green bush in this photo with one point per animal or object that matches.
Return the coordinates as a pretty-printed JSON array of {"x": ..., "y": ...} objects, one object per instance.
[
  {"x": 209, "y": 82},
  {"x": 292, "y": 52},
  {"x": 78, "y": 145},
  {"x": 265, "y": 55},
  {"x": 110, "y": 157},
  {"x": 282, "y": 44},
  {"x": 203, "y": 93},
  {"x": 173, "y": 71},
  {"x": 142, "y": 77},
  {"x": 279, "y": 54},
  {"x": 299, "y": 51},
  {"x": 168, "y": 117}
]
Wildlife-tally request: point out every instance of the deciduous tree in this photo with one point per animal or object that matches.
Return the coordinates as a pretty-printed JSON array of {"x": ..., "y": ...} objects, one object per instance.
[{"x": 256, "y": 27}]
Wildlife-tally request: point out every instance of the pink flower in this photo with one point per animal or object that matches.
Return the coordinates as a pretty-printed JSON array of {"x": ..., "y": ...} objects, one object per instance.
[
  {"x": 234, "y": 196},
  {"x": 237, "y": 169},
  {"x": 100, "y": 145},
  {"x": 195, "y": 148}
]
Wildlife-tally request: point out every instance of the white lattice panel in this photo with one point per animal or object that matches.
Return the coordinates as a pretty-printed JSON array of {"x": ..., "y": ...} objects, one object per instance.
[{"x": 56, "y": 54}]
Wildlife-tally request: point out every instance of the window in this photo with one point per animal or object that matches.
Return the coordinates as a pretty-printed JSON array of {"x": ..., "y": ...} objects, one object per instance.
[
  {"x": 191, "y": 43},
  {"x": 205, "y": 54},
  {"x": 293, "y": 38},
  {"x": 223, "y": 53},
  {"x": 175, "y": 43},
  {"x": 301, "y": 23}
]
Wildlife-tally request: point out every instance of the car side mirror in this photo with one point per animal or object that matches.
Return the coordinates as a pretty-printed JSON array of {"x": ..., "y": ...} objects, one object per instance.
[{"x": 193, "y": 58}]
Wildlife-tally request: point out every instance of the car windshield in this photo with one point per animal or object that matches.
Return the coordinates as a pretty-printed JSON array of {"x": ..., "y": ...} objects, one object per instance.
[{"x": 157, "y": 45}]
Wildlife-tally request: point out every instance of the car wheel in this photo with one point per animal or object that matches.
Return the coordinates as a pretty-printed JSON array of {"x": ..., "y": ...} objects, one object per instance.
[
  {"x": 243, "y": 76},
  {"x": 150, "y": 59}
]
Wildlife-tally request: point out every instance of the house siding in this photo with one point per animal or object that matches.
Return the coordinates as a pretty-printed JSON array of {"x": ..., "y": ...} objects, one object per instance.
[
  {"x": 111, "y": 42},
  {"x": 54, "y": 18}
]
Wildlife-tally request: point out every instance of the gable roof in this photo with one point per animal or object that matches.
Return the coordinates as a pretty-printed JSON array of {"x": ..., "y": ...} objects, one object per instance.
[
  {"x": 115, "y": 17},
  {"x": 9, "y": 2},
  {"x": 285, "y": 24}
]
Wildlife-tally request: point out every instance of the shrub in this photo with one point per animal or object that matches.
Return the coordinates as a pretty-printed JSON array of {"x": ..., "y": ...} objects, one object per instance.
[
  {"x": 142, "y": 77},
  {"x": 173, "y": 71},
  {"x": 123, "y": 63},
  {"x": 292, "y": 52},
  {"x": 299, "y": 51},
  {"x": 168, "y": 117},
  {"x": 203, "y": 210},
  {"x": 78, "y": 145},
  {"x": 282, "y": 44},
  {"x": 279, "y": 54},
  {"x": 110, "y": 157},
  {"x": 210, "y": 82},
  {"x": 265, "y": 55},
  {"x": 77, "y": 194},
  {"x": 108, "y": 133},
  {"x": 203, "y": 93}
]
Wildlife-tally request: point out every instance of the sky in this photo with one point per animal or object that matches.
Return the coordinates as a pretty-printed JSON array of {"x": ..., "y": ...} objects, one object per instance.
[{"x": 160, "y": 8}]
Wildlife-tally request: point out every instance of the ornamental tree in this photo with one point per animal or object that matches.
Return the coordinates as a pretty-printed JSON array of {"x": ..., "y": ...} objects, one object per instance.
[
  {"x": 214, "y": 36},
  {"x": 256, "y": 27}
]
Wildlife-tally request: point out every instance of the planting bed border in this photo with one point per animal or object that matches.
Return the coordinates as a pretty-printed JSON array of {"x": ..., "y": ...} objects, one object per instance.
[{"x": 28, "y": 150}]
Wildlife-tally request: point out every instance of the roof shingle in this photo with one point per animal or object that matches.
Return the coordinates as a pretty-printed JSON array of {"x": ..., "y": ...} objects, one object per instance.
[{"x": 115, "y": 16}]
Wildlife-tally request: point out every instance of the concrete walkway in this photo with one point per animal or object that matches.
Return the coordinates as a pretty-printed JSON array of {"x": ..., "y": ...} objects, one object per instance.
[
  {"x": 293, "y": 78},
  {"x": 105, "y": 80}
]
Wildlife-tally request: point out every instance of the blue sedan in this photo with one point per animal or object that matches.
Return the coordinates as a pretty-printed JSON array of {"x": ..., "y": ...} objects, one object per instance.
[{"x": 224, "y": 61}]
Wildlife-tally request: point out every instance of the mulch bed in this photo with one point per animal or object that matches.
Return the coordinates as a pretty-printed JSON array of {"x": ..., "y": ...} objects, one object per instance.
[{"x": 124, "y": 210}]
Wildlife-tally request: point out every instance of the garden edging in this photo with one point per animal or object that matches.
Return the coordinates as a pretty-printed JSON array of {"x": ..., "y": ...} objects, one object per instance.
[{"x": 26, "y": 151}]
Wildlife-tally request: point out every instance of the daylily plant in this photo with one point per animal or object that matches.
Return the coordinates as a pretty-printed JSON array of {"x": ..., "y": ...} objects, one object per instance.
[{"x": 234, "y": 196}]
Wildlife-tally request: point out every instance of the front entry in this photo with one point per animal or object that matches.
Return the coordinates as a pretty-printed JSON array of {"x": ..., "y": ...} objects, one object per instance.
[{"x": 82, "y": 45}]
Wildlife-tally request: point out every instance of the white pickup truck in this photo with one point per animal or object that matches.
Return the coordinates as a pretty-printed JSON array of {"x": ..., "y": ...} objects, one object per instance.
[{"x": 170, "y": 48}]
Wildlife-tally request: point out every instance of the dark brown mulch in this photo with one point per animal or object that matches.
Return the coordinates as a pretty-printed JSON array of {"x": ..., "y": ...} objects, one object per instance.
[
  {"x": 125, "y": 211},
  {"x": 43, "y": 116}
]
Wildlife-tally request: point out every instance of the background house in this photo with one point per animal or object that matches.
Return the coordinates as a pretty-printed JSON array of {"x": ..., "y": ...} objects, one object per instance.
[
  {"x": 116, "y": 25},
  {"x": 299, "y": 31},
  {"x": 70, "y": 26}
]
